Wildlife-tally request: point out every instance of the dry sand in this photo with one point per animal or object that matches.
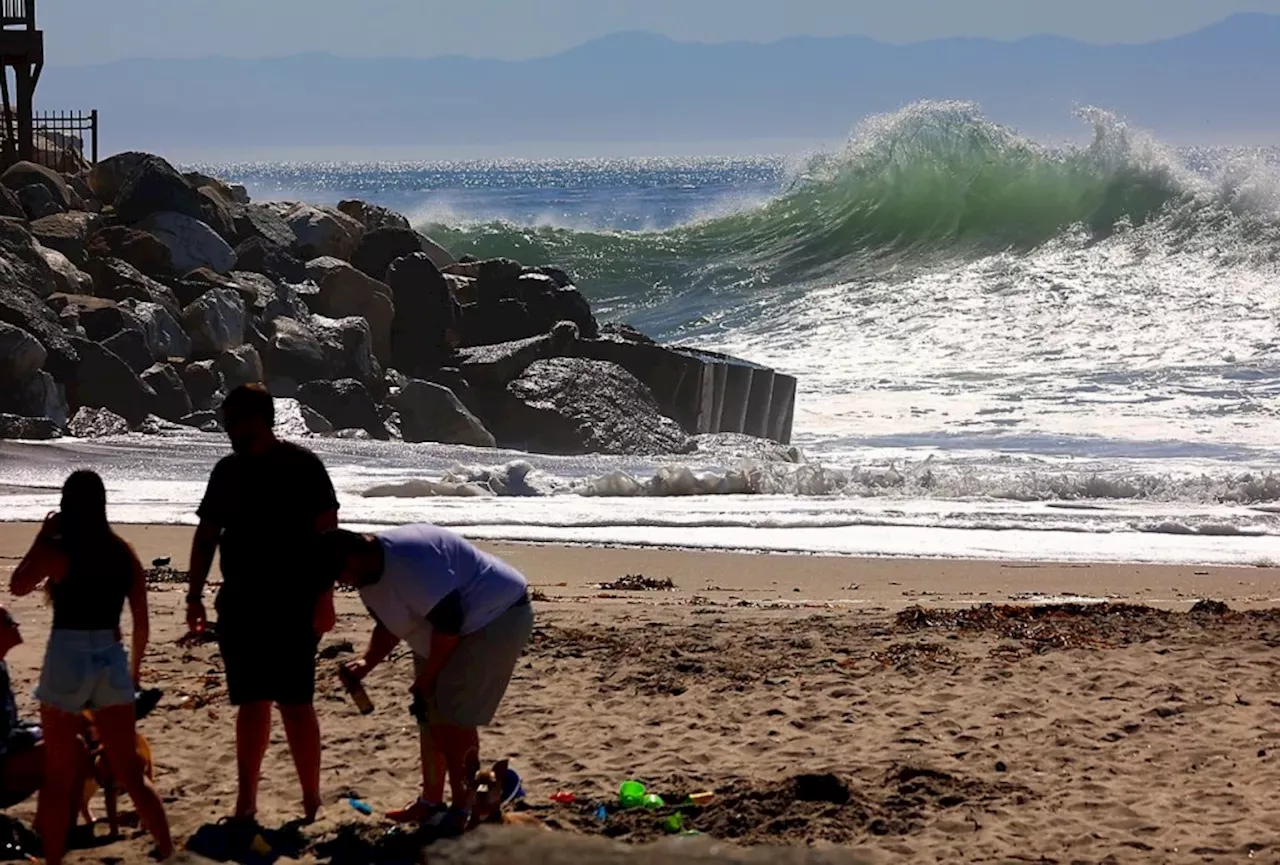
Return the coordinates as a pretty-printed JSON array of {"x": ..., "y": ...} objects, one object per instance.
[{"x": 802, "y": 690}]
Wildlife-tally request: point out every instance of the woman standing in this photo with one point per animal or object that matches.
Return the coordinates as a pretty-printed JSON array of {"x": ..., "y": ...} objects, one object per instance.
[{"x": 88, "y": 572}]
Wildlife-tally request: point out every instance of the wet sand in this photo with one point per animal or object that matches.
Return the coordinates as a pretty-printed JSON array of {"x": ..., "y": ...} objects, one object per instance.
[{"x": 809, "y": 695}]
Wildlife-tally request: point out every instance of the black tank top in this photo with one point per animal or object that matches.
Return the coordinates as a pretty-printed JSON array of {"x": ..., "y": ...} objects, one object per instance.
[{"x": 91, "y": 596}]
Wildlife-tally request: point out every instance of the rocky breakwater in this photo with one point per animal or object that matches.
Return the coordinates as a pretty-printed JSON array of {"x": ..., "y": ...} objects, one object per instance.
[{"x": 134, "y": 297}]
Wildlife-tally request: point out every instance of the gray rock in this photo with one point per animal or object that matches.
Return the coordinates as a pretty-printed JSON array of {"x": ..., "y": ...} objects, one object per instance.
[
  {"x": 431, "y": 413},
  {"x": 579, "y": 406},
  {"x": 348, "y": 350},
  {"x": 67, "y": 278},
  {"x": 372, "y": 216},
  {"x": 143, "y": 251},
  {"x": 216, "y": 322},
  {"x": 172, "y": 402},
  {"x": 295, "y": 420},
  {"x": 346, "y": 404},
  {"x": 165, "y": 336},
  {"x": 323, "y": 231},
  {"x": 380, "y": 247},
  {"x": 108, "y": 176},
  {"x": 294, "y": 353},
  {"x": 16, "y": 427},
  {"x": 10, "y": 206},
  {"x": 239, "y": 194},
  {"x": 204, "y": 385},
  {"x": 425, "y": 315},
  {"x": 215, "y": 212},
  {"x": 93, "y": 423},
  {"x": 240, "y": 366},
  {"x": 497, "y": 365},
  {"x": 131, "y": 347},
  {"x": 260, "y": 256},
  {"x": 20, "y": 307},
  {"x": 23, "y": 175},
  {"x": 38, "y": 202},
  {"x": 37, "y": 397},
  {"x": 257, "y": 221},
  {"x": 282, "y": 300},
  {"x": 345, "y": 291},
  {"x": 99, "y": 318},
  {"x": 192, "y": 243},
  {"x": 155, "y": 186},
  {"x": 23, "y": 264},
  {"x": 21, "y": 356},
  {"x": 104, "y": 380},
  {"x": 205, "y": 421}
]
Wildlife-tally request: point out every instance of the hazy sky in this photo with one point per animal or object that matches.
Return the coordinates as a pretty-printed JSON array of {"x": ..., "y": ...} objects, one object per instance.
[{"x": 92, "y": 31}]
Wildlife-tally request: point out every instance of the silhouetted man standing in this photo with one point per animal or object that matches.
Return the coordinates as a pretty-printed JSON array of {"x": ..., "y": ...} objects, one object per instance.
[{"x": 264, "y": 509}]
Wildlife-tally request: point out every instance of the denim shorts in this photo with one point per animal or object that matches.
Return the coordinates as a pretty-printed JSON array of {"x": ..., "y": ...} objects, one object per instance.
[{"x": 85, "y": 670}]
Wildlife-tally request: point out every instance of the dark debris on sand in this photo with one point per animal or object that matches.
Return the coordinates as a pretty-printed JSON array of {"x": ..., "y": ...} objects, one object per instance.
[
  {"x": 638, "y": 583},
  {"x": 165, "y": 575}
]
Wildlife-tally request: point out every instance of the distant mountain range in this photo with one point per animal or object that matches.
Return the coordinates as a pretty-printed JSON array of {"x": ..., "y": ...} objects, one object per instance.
[{"x": 1220, "y": 84}]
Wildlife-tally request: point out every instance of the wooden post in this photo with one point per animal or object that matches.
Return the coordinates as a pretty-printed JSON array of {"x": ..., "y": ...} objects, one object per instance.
[{"x": 26, "y": 117}]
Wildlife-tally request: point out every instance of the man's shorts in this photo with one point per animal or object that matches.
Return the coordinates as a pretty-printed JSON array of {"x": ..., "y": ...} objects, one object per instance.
[
  {"x": 84, "y": 670},
  {"x": 266, "y": 665},
  {"x": 475, "y": 678}
]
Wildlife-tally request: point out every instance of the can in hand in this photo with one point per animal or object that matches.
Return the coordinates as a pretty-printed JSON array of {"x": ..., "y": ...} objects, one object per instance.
[{"x": 356, "y": 689}]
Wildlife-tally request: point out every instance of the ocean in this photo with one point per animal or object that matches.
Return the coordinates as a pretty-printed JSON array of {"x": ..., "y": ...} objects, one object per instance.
[{"x": 1004, "y": 348}]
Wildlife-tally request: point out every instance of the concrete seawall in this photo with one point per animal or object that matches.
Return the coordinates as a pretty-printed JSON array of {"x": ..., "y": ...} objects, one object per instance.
[{"x": 707, "y": 392}]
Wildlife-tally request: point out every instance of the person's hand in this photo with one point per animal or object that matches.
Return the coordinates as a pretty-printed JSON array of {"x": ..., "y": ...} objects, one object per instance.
[
  {"x": 357, "y": 670},
  {"x": 197, "y": 618},
  {"x": 51, "y": 527}
]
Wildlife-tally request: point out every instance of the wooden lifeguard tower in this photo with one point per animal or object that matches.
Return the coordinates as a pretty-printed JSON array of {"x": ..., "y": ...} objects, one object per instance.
[{"x": 22, "y": 51}]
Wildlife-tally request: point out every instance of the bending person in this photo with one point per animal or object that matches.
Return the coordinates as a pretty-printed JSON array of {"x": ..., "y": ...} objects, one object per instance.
[
  {"x": 467, "y": 616},
  {"x": 89, "y": 572}
]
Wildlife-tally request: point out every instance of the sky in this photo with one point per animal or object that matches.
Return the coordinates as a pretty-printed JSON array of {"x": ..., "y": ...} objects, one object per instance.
[{"x": 82, "y": 32}]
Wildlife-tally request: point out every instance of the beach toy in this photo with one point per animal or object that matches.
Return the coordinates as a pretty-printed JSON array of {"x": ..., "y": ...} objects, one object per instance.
[
  {"x": 602, "y": 813},
  {"x": 631, "y": 794},
  {"x": 260, "y": 846},
  {"x": 674, "y": 823},
  {"x": 363, "y": 807},
  {"x": 701, "y": 798},
  {"x": 564, "y": 797},
  {"x": 653, "y": 801},
  {"x": 512, "y": 788}
]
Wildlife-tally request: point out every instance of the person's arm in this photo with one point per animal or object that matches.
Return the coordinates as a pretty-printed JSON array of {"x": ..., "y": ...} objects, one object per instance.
[
  {"x": 446, "y": 632},
  {"x": 381, "y": 644},
  {"x": 203, "y": 547},
  {"x": 326, "y": 615},
  {"x": 141, "y": 619},
  {"x": 44, "y": 561}
]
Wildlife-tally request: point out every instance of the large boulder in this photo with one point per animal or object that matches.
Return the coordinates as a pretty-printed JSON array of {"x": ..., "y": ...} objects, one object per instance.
[
  {"x": 68, "y": 233},
  {"x": 172, "y": 401},
  {"x": 278, "y": 300},
  {"x": 422, "y": 331},
  {"x": 323, "y": 231},
  {"x": 348, "y": 351},
  {"x": 240, "y": 366},
  {"x": 372, "y": 216},
  {"x": 24, "y": 174},
  {"x": 192, "y": 243},
  {"x": 21, "y": 356},
  {"x": 28, "y": 428},
  {"x": 345, "y": 291},
  {"x": 294, "y": 355},
  {"x": 38, "y": 202},
  {"x": 131, "y": 347},
  {"x": 193, "y": 286},
  {"x": 108, "y": 176},
  {"x": 579, "y": 406},
  {"x": 217, "y": 322},
  {"x": 153, "y": 187},
  {"x": 22, "y": 308},
  {"x": 21, "y": 262},
  {"x": 215, "y": 211},
  {"x": 93, "y": 422},
  {"x": 67, "y": 278},
  {"x": 165, "y": 336},
  {"x": 496, "y": 366},
  {"x": 116, "y": 279},
  {"x": 255, "y": 220},
  {"x": 10, "y": 205},
  {"x": 346, "y": 404},
  {"x": 37, "y": 397},
  {"x": 432, "y": 413},
  {"x": 204, "y": 385},
  {"x": 261, "y": 256},
  {"x": 103, "y": 380},
  {"x": 380, "y": 247},
  {"x": 218, "y": 187},
  {"x": 142, "y": 250},
  {"x": 508, "y": 301}
]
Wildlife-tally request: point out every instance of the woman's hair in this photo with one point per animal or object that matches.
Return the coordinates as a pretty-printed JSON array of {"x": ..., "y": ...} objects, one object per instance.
[{"x": 84, "y": 509}]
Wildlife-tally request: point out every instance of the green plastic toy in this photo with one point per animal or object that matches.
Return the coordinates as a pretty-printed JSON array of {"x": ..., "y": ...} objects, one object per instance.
[
  {"x": 653, "y": 802},
  {"x": 631, "y": 794}
]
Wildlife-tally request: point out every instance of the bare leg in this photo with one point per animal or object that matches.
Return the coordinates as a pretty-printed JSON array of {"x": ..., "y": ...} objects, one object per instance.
[
  {"x": 302, "y": 729},
  {"x": 116, "y": 728},
  {"x": 253, "y": 734},
  {"x": 433, "y": 766},
  {"x": 62, "y": 770},
  {"x": 461, "y": 749}
]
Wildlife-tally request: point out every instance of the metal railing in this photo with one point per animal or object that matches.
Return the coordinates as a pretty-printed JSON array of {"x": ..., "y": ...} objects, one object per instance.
[
  {"x": 18, "y": 13},
  {"x": 64, "y": 140}
]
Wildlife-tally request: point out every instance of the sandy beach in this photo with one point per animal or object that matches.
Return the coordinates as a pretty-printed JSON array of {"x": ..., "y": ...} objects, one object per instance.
[{"x": 809, "y": 695}]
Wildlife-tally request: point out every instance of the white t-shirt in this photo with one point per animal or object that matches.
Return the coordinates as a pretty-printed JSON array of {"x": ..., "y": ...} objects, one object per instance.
[{"x": 424, "y": 564}]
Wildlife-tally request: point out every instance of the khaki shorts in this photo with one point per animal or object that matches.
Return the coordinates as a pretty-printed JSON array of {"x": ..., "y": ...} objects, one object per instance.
[{"x": 475, "y": 678}]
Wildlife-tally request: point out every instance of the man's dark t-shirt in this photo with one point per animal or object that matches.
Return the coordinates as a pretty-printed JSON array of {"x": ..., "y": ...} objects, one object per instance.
[{"x": 267, "y": 507}]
